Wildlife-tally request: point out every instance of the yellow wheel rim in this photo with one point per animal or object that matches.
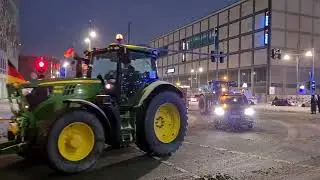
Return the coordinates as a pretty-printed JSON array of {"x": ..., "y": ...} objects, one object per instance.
[
  {"x": 167, "y": 123},
  {"x": 76, "y": 141}
]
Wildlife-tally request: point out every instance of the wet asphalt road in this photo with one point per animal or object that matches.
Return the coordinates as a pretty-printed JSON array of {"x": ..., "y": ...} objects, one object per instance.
[{"x": 281, "y": 146}]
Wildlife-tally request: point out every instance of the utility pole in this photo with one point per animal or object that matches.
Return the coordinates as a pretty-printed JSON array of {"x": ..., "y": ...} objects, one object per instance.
[{"x": 129, "y": 32}]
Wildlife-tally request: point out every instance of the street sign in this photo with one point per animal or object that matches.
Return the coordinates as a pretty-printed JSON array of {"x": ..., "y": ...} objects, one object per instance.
[
  {"x": 170, "y": 70},
  {"x": 272, "y": 90}
]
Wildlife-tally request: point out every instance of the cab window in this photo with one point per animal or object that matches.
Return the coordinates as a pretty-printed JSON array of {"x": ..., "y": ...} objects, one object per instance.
[{"x": 236, "y": 100}]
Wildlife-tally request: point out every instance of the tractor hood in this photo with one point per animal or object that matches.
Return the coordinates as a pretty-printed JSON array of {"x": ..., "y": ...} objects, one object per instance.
[
  {"x": 60, "y": 82},
  {"x": 33, "y": 94}
]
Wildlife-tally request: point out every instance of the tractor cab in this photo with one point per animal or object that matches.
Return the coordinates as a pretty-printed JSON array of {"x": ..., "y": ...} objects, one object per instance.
[{"x": 122, "y": 69}]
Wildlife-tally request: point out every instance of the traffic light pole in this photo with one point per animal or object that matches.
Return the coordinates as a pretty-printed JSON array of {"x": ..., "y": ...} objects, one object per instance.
[{"x": 313, "y": 77}]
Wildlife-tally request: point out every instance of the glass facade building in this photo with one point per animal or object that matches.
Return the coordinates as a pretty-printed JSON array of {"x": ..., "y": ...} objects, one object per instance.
[{"x": 246, "y": 32}]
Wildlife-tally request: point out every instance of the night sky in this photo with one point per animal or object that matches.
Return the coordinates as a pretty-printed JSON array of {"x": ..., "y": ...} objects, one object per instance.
[{"x": 50, "y": 27}]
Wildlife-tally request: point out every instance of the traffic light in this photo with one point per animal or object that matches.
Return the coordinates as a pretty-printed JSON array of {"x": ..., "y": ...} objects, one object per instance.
[
  {"x": 276, "y": 54},
  {"x": 313, "y": 85},
  {"x": 213, "y": 57},
  {"x": 41, "y": 66},
  {"x": 309, "y": 85},
  {"x": 221, "y": 57}
]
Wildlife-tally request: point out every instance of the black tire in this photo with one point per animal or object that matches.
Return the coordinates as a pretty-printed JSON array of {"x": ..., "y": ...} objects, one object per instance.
[
  {"x": 148, "y": 142},
  {"x": 217, "y": 125},
  {"x": 57, "y": 161}
]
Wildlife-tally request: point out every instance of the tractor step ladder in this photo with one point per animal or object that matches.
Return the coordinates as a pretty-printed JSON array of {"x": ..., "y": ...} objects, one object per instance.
[{"x": 127, "y": 128}]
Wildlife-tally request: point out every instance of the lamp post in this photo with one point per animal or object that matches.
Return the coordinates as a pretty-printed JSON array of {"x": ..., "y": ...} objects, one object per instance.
[
  {"x": 192, "y": 71},
  {"x": 310, "y": 53},
  {"x": 200, "y": 70},
  {"x": 88, "y": 41}
]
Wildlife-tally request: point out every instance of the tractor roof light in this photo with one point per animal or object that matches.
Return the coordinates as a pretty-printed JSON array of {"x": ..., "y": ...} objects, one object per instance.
[{"x": 119, "y": 37}]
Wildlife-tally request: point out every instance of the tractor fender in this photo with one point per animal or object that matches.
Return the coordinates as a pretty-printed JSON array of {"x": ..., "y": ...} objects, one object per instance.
[
  {"x": 155, "y": 88},
  {"x": 101, "y": 115}
]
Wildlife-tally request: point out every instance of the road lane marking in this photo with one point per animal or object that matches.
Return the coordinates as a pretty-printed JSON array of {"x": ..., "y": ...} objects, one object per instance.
[
  {"x": 169, "y": 164},
  {"x": 255, "y": 156}
]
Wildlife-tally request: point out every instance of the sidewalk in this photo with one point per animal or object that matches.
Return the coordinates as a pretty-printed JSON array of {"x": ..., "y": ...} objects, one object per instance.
[{"x": 268, "y": 107}]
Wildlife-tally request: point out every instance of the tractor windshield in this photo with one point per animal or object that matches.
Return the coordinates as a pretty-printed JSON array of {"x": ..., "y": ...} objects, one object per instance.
[
  {"x": 105, "y": 65},
  {"x": 233, "y": 100}
]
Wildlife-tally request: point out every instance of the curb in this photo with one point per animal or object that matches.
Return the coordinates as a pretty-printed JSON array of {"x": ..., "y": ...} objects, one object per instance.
[{"x": 280, "y": 109}]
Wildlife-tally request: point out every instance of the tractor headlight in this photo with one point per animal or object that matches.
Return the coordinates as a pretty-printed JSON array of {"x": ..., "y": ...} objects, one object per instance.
[
  {"x": 219, "y": 111},
  {"x": 249, "y": 112},
  {"x": 26, "y": 91}
]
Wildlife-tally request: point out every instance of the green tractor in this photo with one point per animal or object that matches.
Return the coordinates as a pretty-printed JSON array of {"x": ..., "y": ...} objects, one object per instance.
[{"x": 117, "y": 101}]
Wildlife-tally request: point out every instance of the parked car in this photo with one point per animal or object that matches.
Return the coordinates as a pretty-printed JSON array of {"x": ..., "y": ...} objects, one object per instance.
[{"x": 281, "y": 102}]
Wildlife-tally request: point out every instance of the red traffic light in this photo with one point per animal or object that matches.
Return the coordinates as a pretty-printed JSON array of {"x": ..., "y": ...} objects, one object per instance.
[{"x": 41, "y": 65}]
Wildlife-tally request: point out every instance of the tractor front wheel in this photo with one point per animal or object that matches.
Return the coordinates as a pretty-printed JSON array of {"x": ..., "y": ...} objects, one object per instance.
[
  {"x": 165, "y": 124},
  {"x": 76, "y": 141}
]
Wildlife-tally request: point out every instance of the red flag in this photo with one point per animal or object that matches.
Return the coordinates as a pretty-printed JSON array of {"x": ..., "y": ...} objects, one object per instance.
[{"x": 69, "y": 53}]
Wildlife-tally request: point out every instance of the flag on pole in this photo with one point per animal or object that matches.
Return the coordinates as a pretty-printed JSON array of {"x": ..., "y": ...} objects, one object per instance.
[
  {"x": 69, "y": 53},
  {"x": 14, "y": 77}
]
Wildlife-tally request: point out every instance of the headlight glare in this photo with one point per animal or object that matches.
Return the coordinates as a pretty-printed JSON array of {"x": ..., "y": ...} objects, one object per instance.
[
  {"x": 219, "y": 111},
  {"x": 249, "y": 112}
]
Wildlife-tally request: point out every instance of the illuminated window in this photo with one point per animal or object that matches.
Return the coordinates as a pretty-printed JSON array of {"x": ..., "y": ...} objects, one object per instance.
[
  {"x": 266, "y": 37},
  {"x": 183, "y": 57},
  {"x": 266, "y": 19}
]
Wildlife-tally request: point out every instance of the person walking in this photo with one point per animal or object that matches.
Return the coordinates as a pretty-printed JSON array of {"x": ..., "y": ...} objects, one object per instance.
[
  {"x": 313, "y": 105},
  {"x": 318, "y": 102}
]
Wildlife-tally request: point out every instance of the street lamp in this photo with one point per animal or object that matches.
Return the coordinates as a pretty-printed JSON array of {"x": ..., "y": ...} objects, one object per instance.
[
  {"x": 225, "y": 78},
  {"x": 309, "y": 54},
  {"x": 200, "y": 69},
  {"x": 66, "y": 64},
  {"x": 88, "y": 41},
  {"x": 93, "y": 34},
  {"x": 286, "y": 57}
]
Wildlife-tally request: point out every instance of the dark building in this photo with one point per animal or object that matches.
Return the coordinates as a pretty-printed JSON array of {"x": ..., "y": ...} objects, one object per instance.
[{"x": 9, "y": 39}]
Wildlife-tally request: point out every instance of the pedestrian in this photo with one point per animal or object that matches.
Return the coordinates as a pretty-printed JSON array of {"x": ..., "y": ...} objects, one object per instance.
[
  {"x": 318, "y": 102},
  {"x": 313, "y": 105}
]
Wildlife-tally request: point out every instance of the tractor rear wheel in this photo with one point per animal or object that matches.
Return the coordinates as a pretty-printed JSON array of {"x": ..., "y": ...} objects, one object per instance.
[
  {"x": 76, "y": 141},
  {"x": 165, "y": 124}
]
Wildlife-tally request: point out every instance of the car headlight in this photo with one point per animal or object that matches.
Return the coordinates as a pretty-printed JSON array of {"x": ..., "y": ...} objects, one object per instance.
[
  {"x": 219, "y": 111},
  {"x": 26, "y": 91},
  {"x": 249, "y": 112}
]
